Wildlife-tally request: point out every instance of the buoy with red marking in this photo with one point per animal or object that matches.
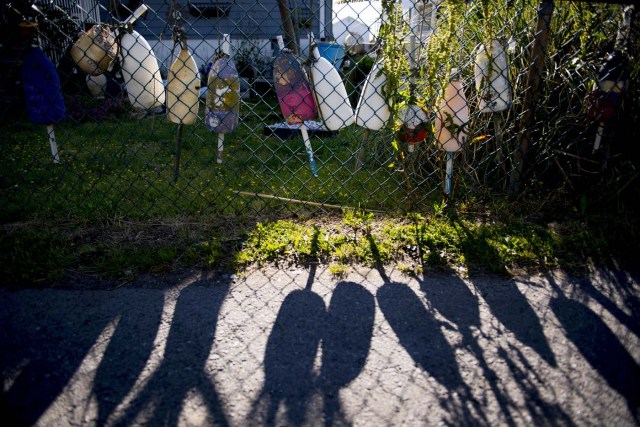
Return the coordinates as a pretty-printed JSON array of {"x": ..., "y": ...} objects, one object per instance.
[
  {"x": 612, "y": 80},
  {"x": 414, "y": 118},
  {"x": 295, "y": 95},
  {"x": 604, "y": 100}
]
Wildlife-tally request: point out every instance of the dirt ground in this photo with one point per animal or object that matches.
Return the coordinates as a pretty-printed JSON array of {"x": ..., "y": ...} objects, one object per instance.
[{"x": 300, "y": 347}]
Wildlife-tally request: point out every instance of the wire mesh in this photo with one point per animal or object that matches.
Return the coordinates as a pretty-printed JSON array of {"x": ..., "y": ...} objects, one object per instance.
[{"x": 425, "y": 100}]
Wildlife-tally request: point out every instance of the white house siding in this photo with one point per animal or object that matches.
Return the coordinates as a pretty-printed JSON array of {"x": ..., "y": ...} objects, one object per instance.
[
  {"x": 246, "y": 18},
  {"x": 250, "y": 23},
  {"x": 82, "y": 10}
]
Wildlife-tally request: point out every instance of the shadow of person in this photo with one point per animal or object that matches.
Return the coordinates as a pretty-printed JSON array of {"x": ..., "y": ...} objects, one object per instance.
[
  {"x": 182, "y": 370},
  {"x": 40, "y": 356},
  {"x": 345, "y": 344},
  {"x": 600, "y": 347},
  {"x": 513, "y": 310},
  {"x": 139, "y": 317},
  {"x": 289, "y": 357}
]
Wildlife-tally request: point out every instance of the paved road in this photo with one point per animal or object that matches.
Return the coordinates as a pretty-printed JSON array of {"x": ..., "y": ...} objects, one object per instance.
[{"x": 299, "y": 347}]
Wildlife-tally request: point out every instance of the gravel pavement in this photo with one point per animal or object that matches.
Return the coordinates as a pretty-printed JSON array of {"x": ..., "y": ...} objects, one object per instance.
[{"x": 293, "y": 347}]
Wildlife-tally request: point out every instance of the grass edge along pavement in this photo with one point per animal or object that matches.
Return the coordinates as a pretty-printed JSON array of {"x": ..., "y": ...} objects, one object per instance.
[{"x": 45, "y": 253}]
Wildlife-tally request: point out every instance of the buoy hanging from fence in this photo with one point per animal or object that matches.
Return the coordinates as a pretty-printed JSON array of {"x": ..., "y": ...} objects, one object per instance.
[
  {"x": 183, "y": 85},
  {"x": 94, "y": 51},
  {"x": 43, "y": 94},
  {"x": 491, "y": 74},
  {"x": 451, "y": 118},
  {"x": 140, "y": 69},
  {"x": 183, "y": 91},
  {"x": 97, "y": 85},
  {"x": 332, "y": 99},
  {"x": 293, "y": 88},
  {"x": 223, "y": 96},
  {"x": 605, "y": 99},
  {"x": 413, "y": 117},
  {"x": 372, "y": 111},
  {"x": 415, "y": 125},
  {"x": 295, "y": 95}
]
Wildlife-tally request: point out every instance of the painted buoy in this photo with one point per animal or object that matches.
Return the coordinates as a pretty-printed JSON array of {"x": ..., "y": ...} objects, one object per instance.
[
  {"x": 94, "y": 51},
  {"x": 293, "y": 89},
  {"x": 415, "y": 126},
  {"x": 223, "y": 93},
  {"x": 43, "y": 94},
  {"x": 295, "y": 96},
  {"x": 452, "y": 116}
]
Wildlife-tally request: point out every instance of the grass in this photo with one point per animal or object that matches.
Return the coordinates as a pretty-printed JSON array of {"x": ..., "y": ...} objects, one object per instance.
[
  {"x": 113, "y": 209},
  {"x": 124, "y": 167},
  {"x": 38, "y": 253}
]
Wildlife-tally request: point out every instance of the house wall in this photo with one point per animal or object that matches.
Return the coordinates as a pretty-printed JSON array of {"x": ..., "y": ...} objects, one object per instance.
[{"x": 250, "y": 23}]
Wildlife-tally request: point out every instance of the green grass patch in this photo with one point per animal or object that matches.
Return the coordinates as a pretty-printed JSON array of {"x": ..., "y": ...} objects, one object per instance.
[
  {"x": 46, "y": 253},
  {"x": 125, "y": 167}
]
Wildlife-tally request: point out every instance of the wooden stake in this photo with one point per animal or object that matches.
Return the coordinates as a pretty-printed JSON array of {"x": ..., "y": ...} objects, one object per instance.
[
  {"x": 534, "y": 77},
  {"x": 301, "y": 202}
]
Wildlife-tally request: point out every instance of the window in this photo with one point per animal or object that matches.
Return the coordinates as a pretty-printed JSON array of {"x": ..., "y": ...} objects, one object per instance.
[{"x": 210, "y": 9}]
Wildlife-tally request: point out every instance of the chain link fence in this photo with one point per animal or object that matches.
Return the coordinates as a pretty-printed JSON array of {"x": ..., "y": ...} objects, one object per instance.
[{"x": 173, "y": 108}]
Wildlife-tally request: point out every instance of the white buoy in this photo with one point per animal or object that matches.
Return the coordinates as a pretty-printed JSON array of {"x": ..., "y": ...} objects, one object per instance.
[
  {"x": 97, "y": 85},
  {"x": 372, "y": 111},
  {"x": 332, "y": 99},
  {"x": 141, "y": 72},
  {"x": 491, "y": 74},
  {"x": 183, "y": 88}
]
